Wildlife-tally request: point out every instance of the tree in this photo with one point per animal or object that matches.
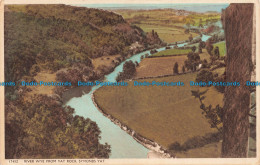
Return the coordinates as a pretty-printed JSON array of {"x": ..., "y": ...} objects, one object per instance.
[
  {"x": 238, "y": 68},
  {"x": 176, "y": 68},
  {"x": 186, "y": 31},
  {"x": 202, "y": 44},
  {"x": 193, "y": 61},
  {"x": 183, "y": 69},
  {"x": 216, "y": 52},
  {"x": 200, "y": 50},
  {"x": 129, "y": 69},
  {"x": 213, "y": 59},
  {"x": 204, "y": 64},
  {"x": 193, "y": 48},
  {"x": 205, "y": 76},
  {"x": 136, "y": 64},
  {"x": 45, "y": 129},
  {"x": 190, "y": 37},
  {"x": 215, "y": 115},
  {"x": 209, "y": 48}
]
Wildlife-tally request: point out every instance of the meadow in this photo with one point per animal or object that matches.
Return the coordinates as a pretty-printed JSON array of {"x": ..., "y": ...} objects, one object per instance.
[
  {"x": 162, "y": 114},
  {"x": 222, "y": 47},
  {"x": 163, "y": 65},
  {"x": 159, "y": 66},
  {"x": 168, "y": 33},
  {"x": 168, "y": 23}
]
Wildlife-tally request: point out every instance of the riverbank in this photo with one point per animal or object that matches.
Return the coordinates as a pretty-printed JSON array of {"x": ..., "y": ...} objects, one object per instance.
[
  {"x": 156, "y": 150},
  {"x": 68, "y": 93}
]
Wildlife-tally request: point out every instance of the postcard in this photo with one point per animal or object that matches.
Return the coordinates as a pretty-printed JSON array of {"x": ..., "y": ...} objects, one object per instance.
[{"x": 129, "y": 82}]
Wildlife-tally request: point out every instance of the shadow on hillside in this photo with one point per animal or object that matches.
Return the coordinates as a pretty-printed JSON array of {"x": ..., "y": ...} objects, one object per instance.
[{"x": 196, "y": 142}]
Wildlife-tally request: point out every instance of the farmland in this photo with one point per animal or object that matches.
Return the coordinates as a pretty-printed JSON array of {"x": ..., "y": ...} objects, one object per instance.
[
  {"x": 168, "y": 23},
  {"x": 162, "y": 114},
  {"x": 159, "y": 66},
  {"x": 152, "y": 67},
  {"x": 169, "y": 34}
]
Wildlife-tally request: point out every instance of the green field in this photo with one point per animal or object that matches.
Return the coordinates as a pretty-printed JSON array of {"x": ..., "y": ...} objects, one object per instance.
[
  {"x": 168, "y": 33},
  {"x": 222, "y": 47},
  {"x": 196, "y": 19},
  {"x": 172, "y": 52},
  {"x": 168, "y": 17},
  {"x": 168, "y": 23},
  {"x": 162, "y": 114}
]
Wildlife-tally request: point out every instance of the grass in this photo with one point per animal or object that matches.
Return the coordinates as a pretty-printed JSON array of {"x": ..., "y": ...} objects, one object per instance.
[
  {"x": 172, "y": 52},
  {"x": 162, "y": 114},
  {"x": 169, "y": 34},
  {"x": 219, "y": 71},
  {"x": 196, "y": 19},
  {"x": 44, "y": 90},
  {"x": 204, "y": 55},
  {"x": 153, "y": 67},
  {"x": 222, "y": 47},
  {"x": 159, "y": 66},
  {"x": 168, "y": 16},
  {"x": 214, "y": 149},
  {"x": 167, "y": 23}
]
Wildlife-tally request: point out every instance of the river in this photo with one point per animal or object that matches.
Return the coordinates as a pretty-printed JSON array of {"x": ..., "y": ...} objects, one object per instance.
[{"x": 122, "y": 144}]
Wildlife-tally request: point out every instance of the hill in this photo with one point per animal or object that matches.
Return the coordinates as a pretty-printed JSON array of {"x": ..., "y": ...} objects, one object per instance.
[
  {"x": 59, "y": 43},
  {"x": 169, "y": 23},
  {"x": 52, "y": 37}
]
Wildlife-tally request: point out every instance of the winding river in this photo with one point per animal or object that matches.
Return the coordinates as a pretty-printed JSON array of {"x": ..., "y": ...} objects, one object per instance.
[{"x": 122, "y": 144}]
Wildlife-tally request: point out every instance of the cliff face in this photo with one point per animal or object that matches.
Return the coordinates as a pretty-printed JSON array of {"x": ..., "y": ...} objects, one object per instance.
[{"x": 238, "y": 27}]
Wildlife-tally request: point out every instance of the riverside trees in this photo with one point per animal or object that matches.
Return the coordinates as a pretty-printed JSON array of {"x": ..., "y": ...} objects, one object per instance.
[{"x": 129, "y": 70}]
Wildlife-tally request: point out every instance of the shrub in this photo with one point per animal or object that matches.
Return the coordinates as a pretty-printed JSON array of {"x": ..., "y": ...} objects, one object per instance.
[
  {"x": 193, "y": 48},
  {"x": 202, "y": 44},
  {"x": 129, "y": 70},
  {"x": 176, "y": 68},
  {"x": 204, "y": 75},
  {"x": 216, "y": 51},
  {"x": 209, "y": 48},
  {"x": 193, "y": 61}
]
